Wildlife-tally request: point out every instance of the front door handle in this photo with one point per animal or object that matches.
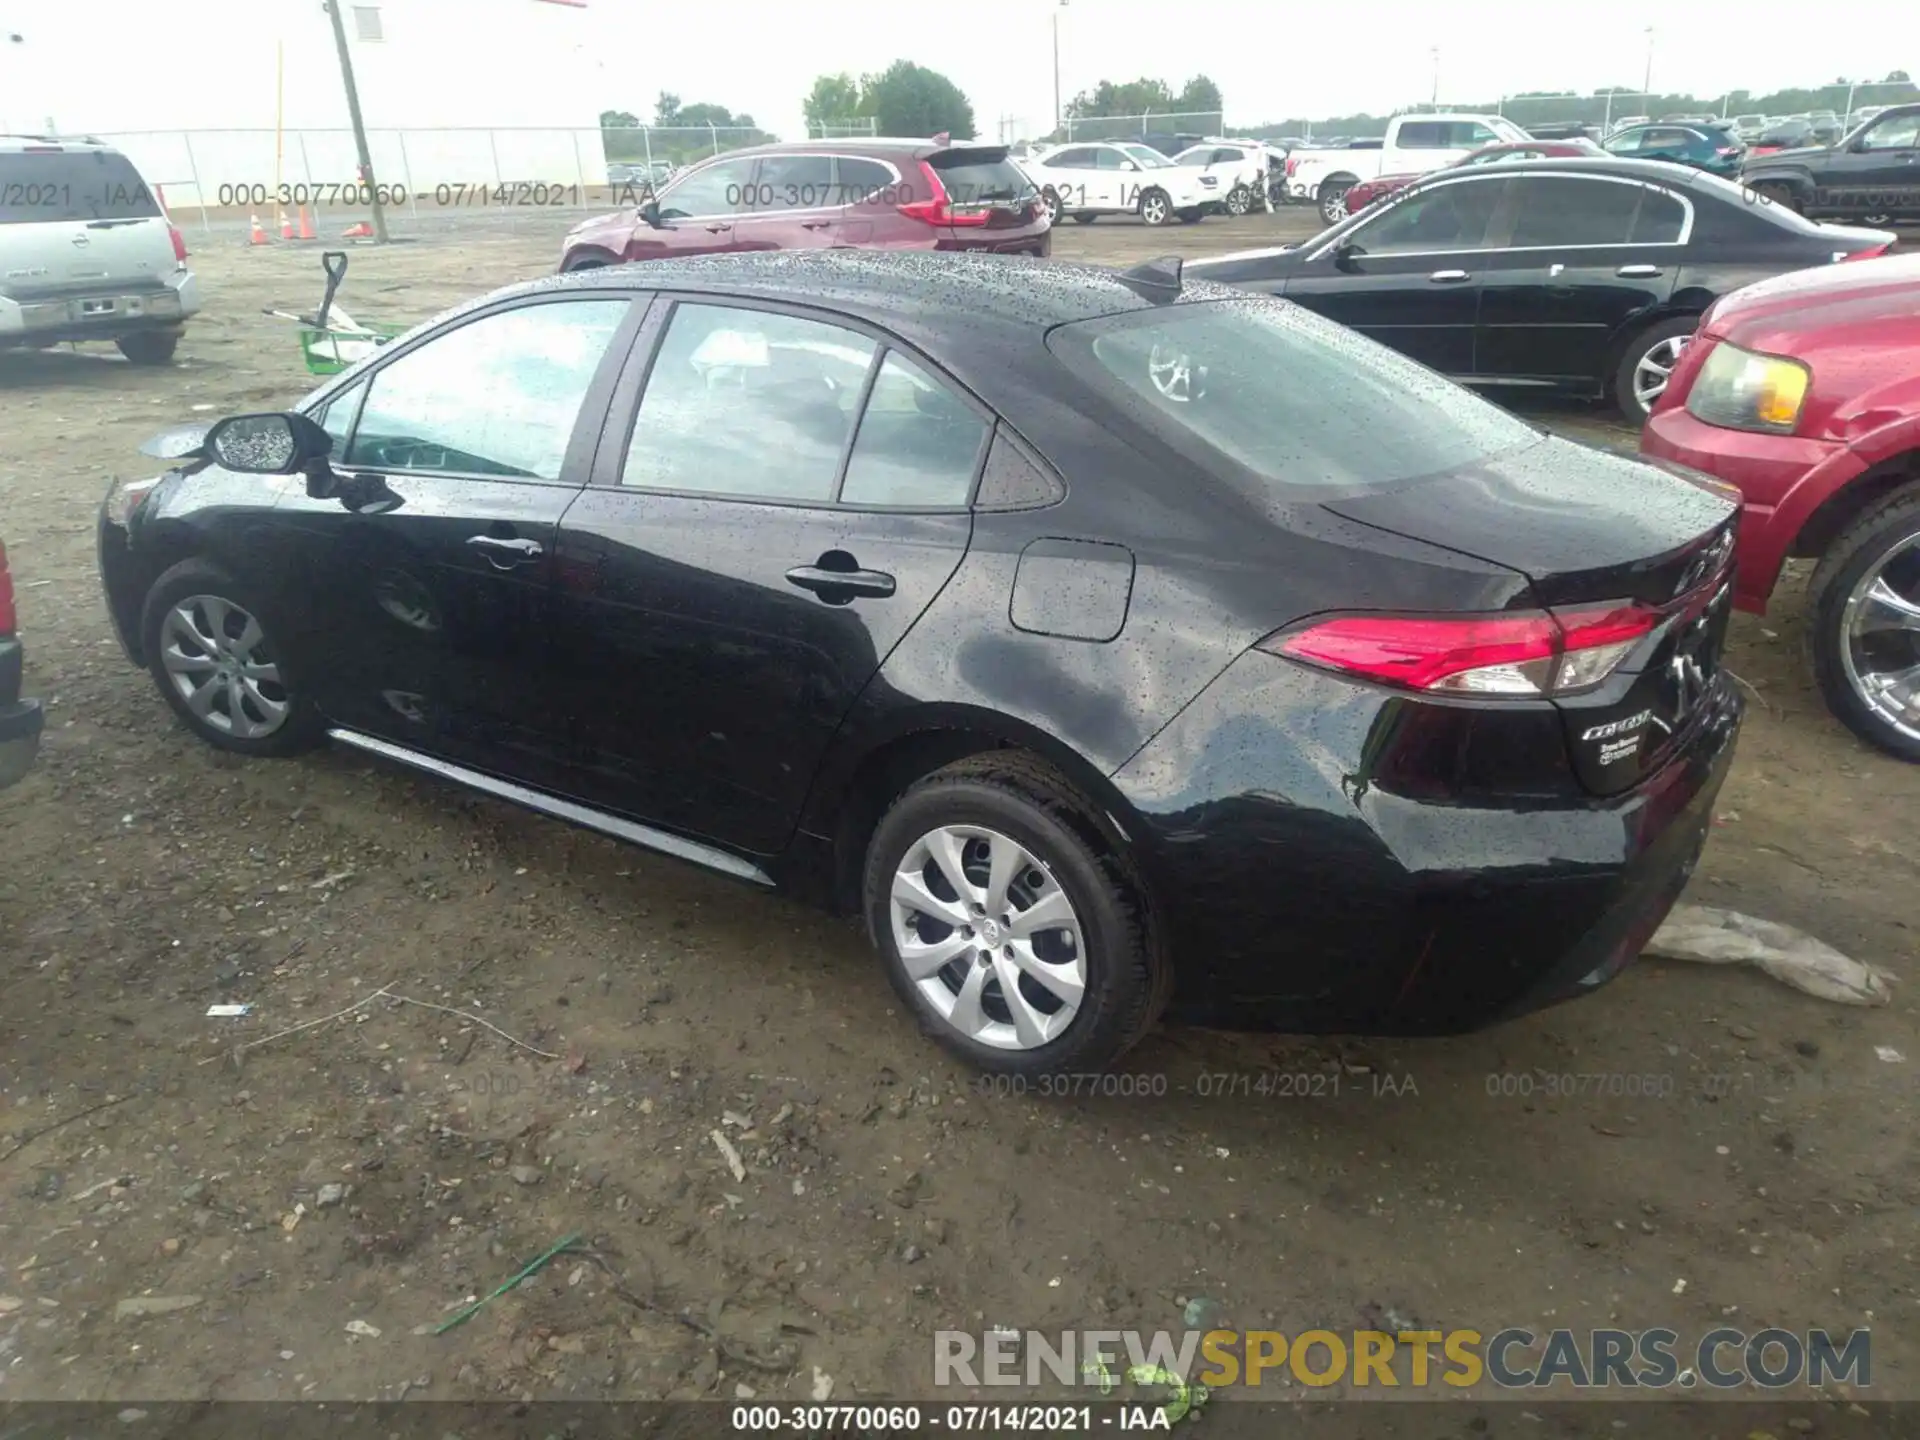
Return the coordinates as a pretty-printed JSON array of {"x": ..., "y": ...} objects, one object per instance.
[
  {"x": 1448, "y": 277},
  {"x": 718, "y": 229},
  {"x": 1637, "y": 272},
  {"x": 503, "y": 553},
  {"x": 815, "y": 224},
  {"x": 831, "y": 584}
]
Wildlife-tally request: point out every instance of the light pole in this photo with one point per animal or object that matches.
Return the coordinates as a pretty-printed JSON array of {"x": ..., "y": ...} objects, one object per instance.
[
  {"x": 1435, "y": 52},
  {"x": 359, "y": 125},
  {"x": 1056, "y": 64},
  {"x": 1646, "y": 84}
]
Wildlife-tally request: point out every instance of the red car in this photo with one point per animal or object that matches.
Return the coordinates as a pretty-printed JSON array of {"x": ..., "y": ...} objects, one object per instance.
[
  {"x": 21, "y": 720},
  {"x": 841, "y": 194},
  {"x": 1804, "y": 391},
  {"x": 1368, "y": 191}
]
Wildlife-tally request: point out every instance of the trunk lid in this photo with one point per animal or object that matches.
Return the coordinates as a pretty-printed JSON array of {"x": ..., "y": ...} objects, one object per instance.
[
  {"x": 1592, "y": 530},
  {"x": 982, "y": 181},
  {"x": 79, "y": 222}
]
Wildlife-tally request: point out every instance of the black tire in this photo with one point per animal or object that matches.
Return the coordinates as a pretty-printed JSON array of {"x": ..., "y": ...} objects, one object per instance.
[
  {"x": 1191, "y": 215},
  {"x": 1156, "y": 203},
  {"x": 1084, "y": 217},
  {"x": 1332, "y": 198},
  {"x": 149, "y": 347},
  {"x": 587, "y": 260},
  {"x": 1780, "y": 193},
  {"x": 1656, "y": 336},
  {"x": 1847, "y": 562},
  {"x": 302, "y": 728},
  {"x": 1128, "y": 978}
]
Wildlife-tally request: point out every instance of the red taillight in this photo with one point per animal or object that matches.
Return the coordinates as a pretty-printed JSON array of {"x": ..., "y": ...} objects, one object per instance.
[
  {"x": 938, "y": 210},
  {"x": 1292, "y": 165},
  {"x": 179, "y": 244},
  {"x": 7, "y": 618},
  {"x": 1874, "y": 254},
  {"x": 1528, "y": 654}
]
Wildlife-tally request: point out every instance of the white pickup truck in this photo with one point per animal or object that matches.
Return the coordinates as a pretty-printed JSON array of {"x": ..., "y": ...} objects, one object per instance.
[{"x": 1414, "y": 144}]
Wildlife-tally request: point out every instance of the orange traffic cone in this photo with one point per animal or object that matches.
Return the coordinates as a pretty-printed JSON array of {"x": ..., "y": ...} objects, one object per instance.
[
  {"x": 286, "y": 226},
  {"x": 306, "y": 225},
  {"x": 259, "y": 236},
  {"x": 360, "y": 231}
]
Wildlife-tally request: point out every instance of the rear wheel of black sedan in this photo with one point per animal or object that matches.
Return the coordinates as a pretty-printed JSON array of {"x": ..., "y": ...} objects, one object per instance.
[
  {"x": 219, "y": 666},
  {"x": 1019, "y": 939},
  {"x": 1865, "y": 633},
  {"x": 1647, "y": 365}
]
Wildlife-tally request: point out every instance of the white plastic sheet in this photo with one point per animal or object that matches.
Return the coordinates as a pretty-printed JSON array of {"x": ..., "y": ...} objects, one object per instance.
[{"x": 1727, "y": 937}]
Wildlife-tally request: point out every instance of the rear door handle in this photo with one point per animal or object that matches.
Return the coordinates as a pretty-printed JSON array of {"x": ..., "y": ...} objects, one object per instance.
[
  {"x": 718, "y": 229},
  {"x": 1448, "y": 277},
  {"x": 826, "y": 583},
  {"x": 1637, "y": 272},
  {"x": 815, "y": 224},
  {"x": 503, "y": 553}
]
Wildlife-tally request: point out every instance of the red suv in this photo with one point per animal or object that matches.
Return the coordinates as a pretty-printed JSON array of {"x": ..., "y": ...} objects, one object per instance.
[
  {"x": 862, "y": 194},
  {"x": 1804, "y": 391},
  {"x": 20, "y": 720}
]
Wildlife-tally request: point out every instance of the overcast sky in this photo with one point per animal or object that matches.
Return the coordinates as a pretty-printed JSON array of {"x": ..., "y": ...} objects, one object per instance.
[{"x": 118, "y": 66}]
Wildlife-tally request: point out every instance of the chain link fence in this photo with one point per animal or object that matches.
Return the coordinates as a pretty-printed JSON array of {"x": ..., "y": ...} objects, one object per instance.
[
  {"x": 1133, "y": 127},
  {"x": 850, "y": 128}
]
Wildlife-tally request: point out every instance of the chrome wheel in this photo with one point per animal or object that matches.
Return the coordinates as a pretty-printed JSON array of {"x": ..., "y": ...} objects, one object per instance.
[
  {"x": 1880, "y": 638},
  {"x": 1239, "y": 200},
  {"x": 1655, "y": 368},
  {"x": 988, "y": 937},
  {"x": 218, "y": 659},
  {"x": 1333, "y": 207},
  {"x": 1155, "y": 208},
  {"x": 1052, "y": 201}
]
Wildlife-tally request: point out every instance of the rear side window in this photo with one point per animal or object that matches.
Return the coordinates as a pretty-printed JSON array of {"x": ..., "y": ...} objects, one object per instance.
[
  {"x": 858, "y": 182},
  {"x": 1277, "y": 398},
  {"x": 1661, "y": 220},
  {"x": 793, "y": 182},
  {"x": 1556, "y": 211},
  {"x": 1424, "y": 135},
  {"x": 917, "y": 445},
  {"x": 72, "y": 185},
  {"x": 979, "y": 177}
]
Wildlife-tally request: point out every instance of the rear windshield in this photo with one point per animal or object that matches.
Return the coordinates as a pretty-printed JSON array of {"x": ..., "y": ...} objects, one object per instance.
[
  {"x": 980, "y": 177},
  {"x": 1282, "y": 398},
  {"x": 72, "y": 185}
]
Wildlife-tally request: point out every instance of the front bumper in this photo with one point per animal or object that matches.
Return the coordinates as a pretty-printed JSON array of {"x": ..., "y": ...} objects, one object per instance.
[
  {"x": 1765, "y": 468},
  {"x": 21, "y": 721},
  {"x": 1337, "y": 857}
]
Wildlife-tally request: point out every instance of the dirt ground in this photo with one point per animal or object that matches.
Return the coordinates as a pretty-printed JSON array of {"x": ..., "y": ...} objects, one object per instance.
[{"x": 376, "y": 1172}]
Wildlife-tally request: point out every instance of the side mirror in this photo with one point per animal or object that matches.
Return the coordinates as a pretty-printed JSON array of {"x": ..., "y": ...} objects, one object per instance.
[
  {"x": 1128, "y": 165},
  {"x": 650, "y": 212},
  {"x": 279, "y": 444}
]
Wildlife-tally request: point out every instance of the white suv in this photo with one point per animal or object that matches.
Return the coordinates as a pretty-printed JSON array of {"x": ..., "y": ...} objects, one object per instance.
[
  {"x": 1238, "y": 169},
  {"x": 1120, "y": 178},
  {"x": 86, "y": 253}
]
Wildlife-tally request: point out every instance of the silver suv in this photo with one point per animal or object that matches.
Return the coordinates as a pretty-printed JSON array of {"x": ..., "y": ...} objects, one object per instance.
[{"x": 86, "y": 253}]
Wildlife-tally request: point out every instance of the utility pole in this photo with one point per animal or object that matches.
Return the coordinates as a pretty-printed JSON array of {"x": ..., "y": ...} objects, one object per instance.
[
  {"x": 1646, "y": 85},
  {"x": 359, "y": 125},
  {"x": 1056, "y": 64}
]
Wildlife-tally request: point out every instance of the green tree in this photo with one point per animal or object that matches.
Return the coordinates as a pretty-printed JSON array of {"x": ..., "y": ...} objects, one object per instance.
[
  {"x": 1200, "y": 96},
  {"x": 909, "y": 99},
  {"x": 1135, "y": 97},
  {"x": 666, "y": 110},
  {"x": 1896, "y": 77},
  {"x": 618, "y": 120},
  {"x": 833, "y": 97}
]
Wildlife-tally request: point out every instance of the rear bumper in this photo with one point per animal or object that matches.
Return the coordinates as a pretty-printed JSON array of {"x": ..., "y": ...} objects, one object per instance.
[
  {"x": 123, "y": 582},
  {"x": 21, "y": 721},
  {"x": 79, "y": 316},
  {"x": 1766, "y": 468},
  {"x": 1312, "y": 889}
]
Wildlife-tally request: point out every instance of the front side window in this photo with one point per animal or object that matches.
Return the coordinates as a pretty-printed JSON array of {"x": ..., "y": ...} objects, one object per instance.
[
  {"x": 1902, "y": 132},
  {"x": 1441, "y": 218},
  {"x": 918, "y": 444},
  {"x": 498, "y": 396},
  {"x": 1471, "y": 134},
  {"x": 722, "y": 188},
  {"x": 1423, "y": 135},
  {"x": 1147, "y": 157},
  {"x": 336, "y": 417},
  {"x": 1281, "y": 399},
  {"x": 1108, "y": 158},
  {"x": 747, "y": 403}
]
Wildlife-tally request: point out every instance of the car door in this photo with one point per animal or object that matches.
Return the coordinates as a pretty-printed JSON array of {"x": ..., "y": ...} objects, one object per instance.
[
  {"x": 1878, "y": 174},
  {"x": 794, "y": 204},
  {"x": 1115, "y": 183},
  {"x": 1073, "y": 176},
  {"x": 1583, "y": 256},
  {"x": 1409, "y": 276},
  {"x": 698, "y": 211},
  {"x": 776, "y": 499},
  {"x": 420, "y": 593}
]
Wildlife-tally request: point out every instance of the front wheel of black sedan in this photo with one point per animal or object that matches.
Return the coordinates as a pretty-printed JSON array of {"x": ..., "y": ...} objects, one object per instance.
[
  {"x": 1018, "y": 939},
  {"x": 218, "y": 664},
  {"x": 1866, "y": 627}
]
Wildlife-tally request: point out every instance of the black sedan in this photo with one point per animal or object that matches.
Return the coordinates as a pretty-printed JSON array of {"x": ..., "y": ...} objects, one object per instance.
[
  {"x": 1110, "y": 642},
  {"x": 1584, "y": 277}
]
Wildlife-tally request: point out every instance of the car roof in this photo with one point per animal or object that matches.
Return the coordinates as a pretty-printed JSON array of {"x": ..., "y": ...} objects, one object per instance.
[
  {"x": 18, "y": 144},
  {"x": 1664, "y": 171}
]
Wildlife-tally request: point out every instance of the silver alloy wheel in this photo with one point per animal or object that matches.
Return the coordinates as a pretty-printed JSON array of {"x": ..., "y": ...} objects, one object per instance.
[
  {"x": 1877, "y": 612},
  {"x": 989, "y": 937},
  {"x": 1655, "y": 368},
  {"x": 1052, "y": 201},
  {"x": 217, "y": 656},
  {"x": 1333, "y": 209},
  {"x": 1155, "y": 208},
  {"x": 1239, "y": 200}
]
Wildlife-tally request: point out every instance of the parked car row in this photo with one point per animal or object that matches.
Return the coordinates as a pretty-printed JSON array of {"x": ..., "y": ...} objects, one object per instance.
[{"x": 1872, "y": 174}]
